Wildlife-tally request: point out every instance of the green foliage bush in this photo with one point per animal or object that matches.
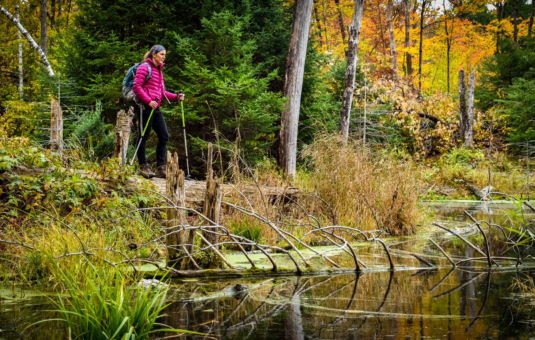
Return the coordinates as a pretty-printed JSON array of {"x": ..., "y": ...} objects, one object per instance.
[
  {"x": 227, "y": 92},
  {"x": 462, "y": 156}
]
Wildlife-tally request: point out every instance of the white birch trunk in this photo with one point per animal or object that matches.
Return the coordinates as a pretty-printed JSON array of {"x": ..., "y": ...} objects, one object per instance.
[
  {"x": 354, "y": 34},
  {"x": 391, "y": 37},
  {"x": 462, "y": 103},
  {"x": 469, "y": 124},
  {"x": 20, "y": 54},
  {"x": 34, "y": 45},
  {"x": 293, "y": 83}
]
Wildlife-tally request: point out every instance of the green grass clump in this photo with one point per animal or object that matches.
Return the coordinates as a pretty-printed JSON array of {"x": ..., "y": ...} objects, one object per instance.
[{"x": 104, "y": 304}]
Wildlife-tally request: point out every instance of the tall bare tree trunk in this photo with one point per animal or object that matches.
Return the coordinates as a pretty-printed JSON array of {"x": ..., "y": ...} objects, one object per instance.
[
  {"x": 499, "y": 16},
  {"x": 530, "y": 24},
  {"x": 30, "y": 39},
  {"x": 52, "y": 15},
  {"x": 354, "y": 35},
  {"x": 420, "y": 49},
  {"x": 466, "y": 108},
  {"x": 462, "y": 102},
  {"x": 469, "y": 124},
  {"x": 408, "y": 56},
  {"x": 44, "y": 6},
  {"x": 340, "y": 20},
  {"x": 391, "y": 37},
  {"x": 20, "y": 55},
  {"x": 448, "y": 52},
  {"x": 293, "y": 84}
]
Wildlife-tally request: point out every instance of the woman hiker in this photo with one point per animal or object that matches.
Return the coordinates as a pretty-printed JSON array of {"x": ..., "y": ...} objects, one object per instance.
[{"x": 150, "y": 95}]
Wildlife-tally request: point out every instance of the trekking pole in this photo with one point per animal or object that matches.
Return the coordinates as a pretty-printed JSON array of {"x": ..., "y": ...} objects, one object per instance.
[
  {"x": 185, "y": 140},
  {"x": 144, "y": 130}
]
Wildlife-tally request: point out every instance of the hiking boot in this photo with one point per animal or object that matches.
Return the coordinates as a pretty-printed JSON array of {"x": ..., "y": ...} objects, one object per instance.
[
  {"x": 160, "y": 171},
  {"x": 146, "y": 171}
]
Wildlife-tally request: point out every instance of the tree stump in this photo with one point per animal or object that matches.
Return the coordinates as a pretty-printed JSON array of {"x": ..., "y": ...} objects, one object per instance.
[
  {"x": 212, "y": 205},
  {"x": 179, "y": 241},
  {"x": 56, "y": 126},
  {"x": 122, "y": 134}
]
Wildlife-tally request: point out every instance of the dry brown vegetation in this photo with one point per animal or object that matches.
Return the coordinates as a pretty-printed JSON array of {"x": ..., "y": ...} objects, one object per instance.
[{"x": 364, "y": 190}]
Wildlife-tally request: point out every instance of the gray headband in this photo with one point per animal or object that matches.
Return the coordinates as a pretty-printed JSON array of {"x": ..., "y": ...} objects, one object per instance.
[{"x": 156, "y": 48}]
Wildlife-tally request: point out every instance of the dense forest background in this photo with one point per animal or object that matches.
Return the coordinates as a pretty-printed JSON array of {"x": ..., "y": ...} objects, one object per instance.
[{"x": 229, "y": 58}]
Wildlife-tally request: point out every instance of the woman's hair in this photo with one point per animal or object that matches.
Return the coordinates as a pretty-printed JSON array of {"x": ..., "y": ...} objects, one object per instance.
[{"x": 153, "y": 50}]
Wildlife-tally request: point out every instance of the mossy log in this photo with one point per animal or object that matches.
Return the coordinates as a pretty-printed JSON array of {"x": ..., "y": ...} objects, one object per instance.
[{"x": 195, "y": 190}]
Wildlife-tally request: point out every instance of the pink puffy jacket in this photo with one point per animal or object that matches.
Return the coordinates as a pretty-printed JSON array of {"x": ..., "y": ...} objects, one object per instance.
[{"x": 154, "y": 87}]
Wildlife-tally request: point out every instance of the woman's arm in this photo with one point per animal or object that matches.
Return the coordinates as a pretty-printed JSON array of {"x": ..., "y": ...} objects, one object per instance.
[
  {"x": 172, "y": 97},
  {"x": 139, "y": 80}
]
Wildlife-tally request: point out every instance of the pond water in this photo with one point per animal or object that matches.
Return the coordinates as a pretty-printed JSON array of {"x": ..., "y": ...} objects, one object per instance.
[{"x": 409, "y": 303}]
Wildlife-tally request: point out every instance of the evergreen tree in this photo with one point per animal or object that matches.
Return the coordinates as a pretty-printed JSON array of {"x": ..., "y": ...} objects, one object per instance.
[{"x": 229, "y": 100}]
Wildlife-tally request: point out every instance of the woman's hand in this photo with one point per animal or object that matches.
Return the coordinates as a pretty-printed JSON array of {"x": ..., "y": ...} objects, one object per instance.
[
  {"x": 181, "y": 96},
  {"x": 153, "y": 104}
]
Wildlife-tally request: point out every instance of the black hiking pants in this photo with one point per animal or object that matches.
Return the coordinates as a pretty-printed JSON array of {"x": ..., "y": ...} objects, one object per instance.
[{"x": 157, "y": 123}]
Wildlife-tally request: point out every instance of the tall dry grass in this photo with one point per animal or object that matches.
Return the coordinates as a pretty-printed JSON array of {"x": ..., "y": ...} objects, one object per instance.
[{"x": 363, "y": 190}]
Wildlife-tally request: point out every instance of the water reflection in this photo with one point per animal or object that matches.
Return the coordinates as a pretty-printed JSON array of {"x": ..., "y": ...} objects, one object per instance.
[{"x": 439, "y": 304}]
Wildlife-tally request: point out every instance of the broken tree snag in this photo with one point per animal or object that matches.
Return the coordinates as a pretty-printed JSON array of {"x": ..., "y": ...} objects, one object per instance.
[
  {"x": 122, "y": 134},
  {"x": 468, "y": 136},
  {"x": 56, "y": 126},
  {"x": 212, "y": 205},
  {"x": 176, "y": 240}
]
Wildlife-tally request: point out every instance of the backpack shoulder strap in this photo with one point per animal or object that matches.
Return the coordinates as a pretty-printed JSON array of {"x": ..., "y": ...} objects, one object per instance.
[{"x": 149, "y": 71}]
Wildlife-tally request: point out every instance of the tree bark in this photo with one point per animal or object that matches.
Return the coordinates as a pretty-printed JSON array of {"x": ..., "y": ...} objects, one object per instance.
[
  {"x": 469, "y": 124},
  {"x": 408, "y": 56},
  {"x": 52, "y": 13},
  {"x": 20, "y": 55},
  {"x": 122, "y": 134},
  {"x": 448, "y": 56},
  {"x": 354, "y": 35},
  {"x": 462, "y": 102},
  {"x": 212, "y": 205},
  {"x": 34, "y": 45},
  {"x": 391, "y": 36},
  {"x": 56, "y": 126},
  {"x": 448, "y": 32},
  {"x": 293, "y": 83},
  {"x": 179, "y": 243},
  {"x": 420, "y": 49},
  {"x": 44, "y": 6},
  {"x": 516, "y": 21},
  {"x": 499, "y": 16},
  {"x": 340, "y": 20}
]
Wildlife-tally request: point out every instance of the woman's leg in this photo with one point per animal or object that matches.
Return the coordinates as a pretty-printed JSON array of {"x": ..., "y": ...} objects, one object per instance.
[{"x": 160, "y": 127}]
